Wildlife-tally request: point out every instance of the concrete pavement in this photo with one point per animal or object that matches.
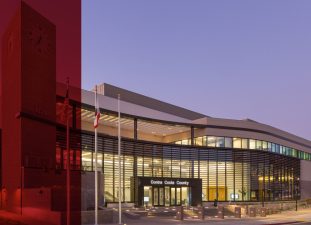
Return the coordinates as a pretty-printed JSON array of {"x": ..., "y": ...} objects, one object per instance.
[
  {"x": 303, "y": 216},
  {"x": 286, "y": 217}
]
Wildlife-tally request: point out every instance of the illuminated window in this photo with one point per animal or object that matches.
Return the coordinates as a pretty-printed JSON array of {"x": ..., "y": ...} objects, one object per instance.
[
  {"x": 258, "y": 144},
  {"x": 245, "y": 143},
  {"x": 204, "y": 141},
  {"x": 269, "y": 146},
  {"x": 185, "y": 142},
  {"x": 228, "y": 142},
  {"x": 198, "y": 141},
  {"x": 211, "y": 141},
  {"x": 237, "y": 143},
  {"x": 87, "y": 160},
  {"x": 252, "y": 144},
  {"x": 220, "y": 142}
]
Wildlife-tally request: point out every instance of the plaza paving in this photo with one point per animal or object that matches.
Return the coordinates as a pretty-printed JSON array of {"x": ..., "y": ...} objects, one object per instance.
[
  {"x": 303, "y": 216},
  {"x": 286, "y": 217}
]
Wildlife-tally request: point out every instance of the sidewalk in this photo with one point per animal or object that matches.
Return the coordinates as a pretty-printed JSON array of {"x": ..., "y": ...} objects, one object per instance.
[
  {"x": 286, "y": 217},
  {"x": 7, "y": 218}
]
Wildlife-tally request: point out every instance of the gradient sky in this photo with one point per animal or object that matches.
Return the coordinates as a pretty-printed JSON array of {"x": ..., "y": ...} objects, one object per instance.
[{"x": 228, "y": 59}]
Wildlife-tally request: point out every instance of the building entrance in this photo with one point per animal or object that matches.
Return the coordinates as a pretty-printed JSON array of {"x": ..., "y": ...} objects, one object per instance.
[
  {"x": 167, "y": 196},
  {"x": 168, "y": 191}
]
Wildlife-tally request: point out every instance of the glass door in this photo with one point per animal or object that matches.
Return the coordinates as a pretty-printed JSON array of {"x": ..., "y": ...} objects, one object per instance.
[
  {"x": 155, "y": 196},
  {"x": 167, "y": 196},
  {"x": 178, "y": 196},
  {"x": 147, "y": 195},
  {"x": 185, "y": 198},
  {"x": 161, "y": 196},
  {"x": 173, "y": 197},
  {"x": 158, "y": 196}
]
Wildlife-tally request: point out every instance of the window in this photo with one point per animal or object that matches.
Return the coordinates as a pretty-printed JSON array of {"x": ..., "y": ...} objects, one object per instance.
[
  {"x": 185, "y": 142},
  {"x": 277, "y": 148},
  {"x": 211, "y": 141},
  {"x": 245, "y": 143},
  {"x": 220, "y": 142},
  {"x": 281, "y": 149},
  {"x": 87, "y": 160},
  {"x": 237, "y": 143},
  {"x": 258, "y": 144},
  {"x": 269, "y": 146},
  {"x": 198, "y": 141},
  {"x": 228, "y": 142},
  {"x": 252, "y": 144},
  {"x": 204, "y": 141},
  {"x": 264, "y": 145},
  {"x": 288, "y": 151},
  {"x": 273, "y": 147}
]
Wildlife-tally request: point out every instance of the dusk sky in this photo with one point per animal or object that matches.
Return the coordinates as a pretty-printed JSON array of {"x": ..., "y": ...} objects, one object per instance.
[{"x": 227, "y": 59}]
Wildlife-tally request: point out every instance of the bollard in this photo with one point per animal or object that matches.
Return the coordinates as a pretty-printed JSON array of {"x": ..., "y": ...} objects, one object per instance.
[
  {"x": 221, "y": 212},
  {"x": 263, "y": 212},
  {"x": 180, "y": 213},
  {"x": 252, "y": 212},
  {"x": 237, "y": 212},
  {"x": 201, "y": 213}
]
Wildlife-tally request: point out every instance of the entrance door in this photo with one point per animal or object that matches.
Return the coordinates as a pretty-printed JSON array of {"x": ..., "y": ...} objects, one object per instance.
[
  {"x": 147, "y": 195},
  {"x": 180, "y": 196},
  {"x": 185, "y": 196},
  {"x": 158, "y": 196},
  {"x": 167, "y": 196}
]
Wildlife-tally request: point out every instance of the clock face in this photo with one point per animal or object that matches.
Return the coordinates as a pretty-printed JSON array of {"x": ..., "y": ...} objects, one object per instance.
[{"x": 40, "y": 40}]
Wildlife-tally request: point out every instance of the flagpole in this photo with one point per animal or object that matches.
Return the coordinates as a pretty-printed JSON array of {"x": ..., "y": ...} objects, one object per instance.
[
  {"x": 96, "y": 178},
  {"x": 68, "y": 153},
  {"x": 119, "y": 156}
]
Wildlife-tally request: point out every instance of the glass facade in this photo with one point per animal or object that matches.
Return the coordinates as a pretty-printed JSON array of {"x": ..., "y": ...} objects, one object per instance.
[
  {"x": 159, "y": 132},
  {"x": 245, "y": 143},
  {"x": 230, "y": 168},
  {"x": 227, "y": 174}
]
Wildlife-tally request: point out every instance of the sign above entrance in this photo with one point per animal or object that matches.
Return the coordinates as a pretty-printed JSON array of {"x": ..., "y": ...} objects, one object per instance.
[
  {"x": 169, "y": 182},
  {"x": 163, "y": 191}
]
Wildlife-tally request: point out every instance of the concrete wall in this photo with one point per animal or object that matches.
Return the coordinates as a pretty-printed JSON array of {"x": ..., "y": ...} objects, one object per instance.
[
  {"x": 87, "y": 190},
  {"x": 305, "y": 179}
]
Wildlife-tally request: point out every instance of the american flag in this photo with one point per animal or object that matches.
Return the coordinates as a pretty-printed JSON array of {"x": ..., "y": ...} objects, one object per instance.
[{"x": 97, "y": 111}]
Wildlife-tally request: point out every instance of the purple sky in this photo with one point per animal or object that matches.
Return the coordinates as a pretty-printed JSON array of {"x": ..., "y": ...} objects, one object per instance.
[{"x": 227, "y": 59}]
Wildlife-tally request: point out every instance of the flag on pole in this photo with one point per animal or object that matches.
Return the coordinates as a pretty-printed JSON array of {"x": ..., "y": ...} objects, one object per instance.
[
  {"x": 97, "y": 116},
  {"x": 97, "y": 111}
]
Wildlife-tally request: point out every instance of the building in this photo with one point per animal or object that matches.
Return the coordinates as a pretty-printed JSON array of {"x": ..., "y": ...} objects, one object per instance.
[
  {"x": 170, "y": 155},
  {"x": 173, "y": 156}
]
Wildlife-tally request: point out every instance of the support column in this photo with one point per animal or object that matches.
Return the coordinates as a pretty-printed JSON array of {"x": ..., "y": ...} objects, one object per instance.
[
  {"x": 192, "y": 136},
  {"x": 135, "y": 129}
]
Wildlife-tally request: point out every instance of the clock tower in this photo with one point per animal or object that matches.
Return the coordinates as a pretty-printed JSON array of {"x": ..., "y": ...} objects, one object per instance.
[{"x": 28, "y": 105}]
